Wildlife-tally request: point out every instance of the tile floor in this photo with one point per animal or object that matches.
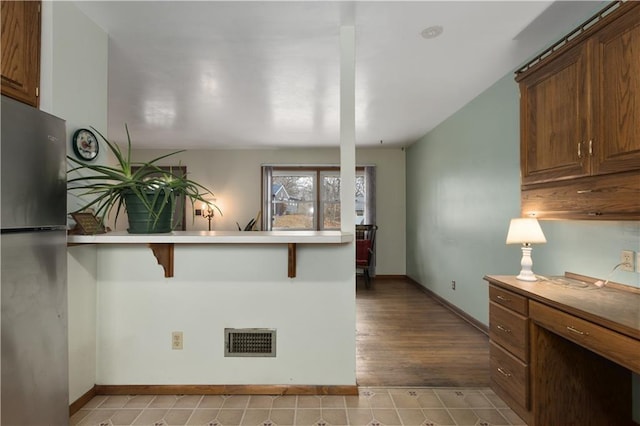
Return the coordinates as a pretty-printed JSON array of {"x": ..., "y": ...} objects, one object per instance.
[{"x": 374, "y": 406}]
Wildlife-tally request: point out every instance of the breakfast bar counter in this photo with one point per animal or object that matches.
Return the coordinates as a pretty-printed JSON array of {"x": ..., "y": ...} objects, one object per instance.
[
  {"x": 215, "y": 282},
  {"x": 217, "y": 237},
  {"x": 162, "y": 245}
]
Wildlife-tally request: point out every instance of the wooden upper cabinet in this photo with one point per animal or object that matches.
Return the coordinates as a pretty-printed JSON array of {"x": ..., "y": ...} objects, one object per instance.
[
  {"x": 580, "y": 122},
  {"x": 21, "y": 50},
  {"x": 580, "y": 108},
  {"x": 617, "y": 100},
  {"x": 554, "y": 108}
]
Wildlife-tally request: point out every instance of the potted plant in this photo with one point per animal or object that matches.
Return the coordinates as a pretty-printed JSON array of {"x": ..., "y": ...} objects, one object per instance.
[{"x": 146, "y": 191}]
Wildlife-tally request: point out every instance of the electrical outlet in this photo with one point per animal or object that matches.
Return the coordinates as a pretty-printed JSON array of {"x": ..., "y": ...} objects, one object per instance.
[
  {"x": 453, "y": 285},
  {"x": 627, "y": 260},
  {"x": 176, "y": 340}
]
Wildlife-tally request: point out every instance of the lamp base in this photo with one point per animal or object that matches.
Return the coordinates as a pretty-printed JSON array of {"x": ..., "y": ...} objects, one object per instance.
[{"x": 526, "y": 274}]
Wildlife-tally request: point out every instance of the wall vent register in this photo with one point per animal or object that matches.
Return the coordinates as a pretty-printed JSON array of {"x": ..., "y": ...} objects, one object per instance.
[{"x": 249, "y": 342}]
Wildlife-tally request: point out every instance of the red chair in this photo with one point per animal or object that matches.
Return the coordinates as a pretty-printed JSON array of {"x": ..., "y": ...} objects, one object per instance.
[{"x": 365, "y": 250}]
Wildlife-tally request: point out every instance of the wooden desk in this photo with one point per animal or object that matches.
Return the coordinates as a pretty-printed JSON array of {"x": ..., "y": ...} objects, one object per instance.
[{"x": 562, "y": 351}]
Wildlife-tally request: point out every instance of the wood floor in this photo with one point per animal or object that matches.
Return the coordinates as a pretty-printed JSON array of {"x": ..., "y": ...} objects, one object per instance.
[{"x": 406, "y": 338}]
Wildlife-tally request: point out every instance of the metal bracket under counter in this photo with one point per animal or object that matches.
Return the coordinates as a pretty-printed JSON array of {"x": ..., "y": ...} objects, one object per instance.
[{"x": 162, "y": 245}]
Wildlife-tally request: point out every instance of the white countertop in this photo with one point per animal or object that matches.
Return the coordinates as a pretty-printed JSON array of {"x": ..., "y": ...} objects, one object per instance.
[{"x": 217, "y": 237}]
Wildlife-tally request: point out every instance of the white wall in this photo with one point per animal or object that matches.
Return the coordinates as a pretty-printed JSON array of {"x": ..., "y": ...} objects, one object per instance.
[
  {"x": 234, "y": 177},
  {"x": 218, "y": 286},
  {"x": 74, "y": 87}
]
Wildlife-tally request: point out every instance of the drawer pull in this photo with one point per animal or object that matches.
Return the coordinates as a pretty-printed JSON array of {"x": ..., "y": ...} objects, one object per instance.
[
  {"x": 576, "y": 331},
  {"x": 502, "y": 298},
  {"x": 501, "y": 328},
  {"x": 503, "y": 372}
]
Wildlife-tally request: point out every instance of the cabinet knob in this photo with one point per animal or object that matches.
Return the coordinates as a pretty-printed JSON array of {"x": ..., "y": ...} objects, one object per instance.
[
  {"x": 579, "y": 149},
  {"x": 590, "y": 147}
]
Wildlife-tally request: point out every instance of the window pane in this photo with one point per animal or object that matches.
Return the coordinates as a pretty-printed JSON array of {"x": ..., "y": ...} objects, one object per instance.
[
  {"x": 331, "y": 216},
  {"x": 330, "y": 199},
  {"x": 293, "y": 198},
  {"x": 361, "y": 197}
]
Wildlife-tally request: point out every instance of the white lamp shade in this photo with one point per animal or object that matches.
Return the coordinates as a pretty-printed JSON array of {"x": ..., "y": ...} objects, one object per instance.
[{"x": 525, "y": 231}]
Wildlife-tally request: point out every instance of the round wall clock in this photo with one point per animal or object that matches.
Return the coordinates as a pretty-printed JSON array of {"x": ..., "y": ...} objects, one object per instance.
[{"x": 85, "y": 144}]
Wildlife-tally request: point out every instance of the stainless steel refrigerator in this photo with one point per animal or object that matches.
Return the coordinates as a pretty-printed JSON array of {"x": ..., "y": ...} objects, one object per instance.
[{"x": 34, "y": 267}]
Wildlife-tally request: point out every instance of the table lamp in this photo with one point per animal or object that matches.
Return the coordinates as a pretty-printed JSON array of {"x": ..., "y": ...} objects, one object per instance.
[{"x": 525, "y": 231}]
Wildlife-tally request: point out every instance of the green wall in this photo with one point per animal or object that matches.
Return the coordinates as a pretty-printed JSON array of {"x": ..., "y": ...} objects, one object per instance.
[{"x": 462, "y": 190}]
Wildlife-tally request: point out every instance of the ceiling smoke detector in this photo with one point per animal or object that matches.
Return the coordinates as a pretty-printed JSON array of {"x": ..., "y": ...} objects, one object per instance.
[{"x": 432, "y": 32}]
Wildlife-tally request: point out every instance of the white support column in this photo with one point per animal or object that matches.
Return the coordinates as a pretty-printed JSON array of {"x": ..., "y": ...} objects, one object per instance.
[{"x": 347, "y": 128}]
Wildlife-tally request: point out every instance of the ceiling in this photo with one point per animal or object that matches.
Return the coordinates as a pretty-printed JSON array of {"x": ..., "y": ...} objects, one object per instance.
[{"x": 213, "y": 74}]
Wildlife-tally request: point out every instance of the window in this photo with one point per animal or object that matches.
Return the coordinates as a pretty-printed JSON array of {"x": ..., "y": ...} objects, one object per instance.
[{"x": 307, "y": 198}]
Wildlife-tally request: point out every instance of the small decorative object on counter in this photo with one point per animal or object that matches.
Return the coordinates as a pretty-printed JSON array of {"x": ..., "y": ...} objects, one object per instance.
[{"x": 87, "y": 224}]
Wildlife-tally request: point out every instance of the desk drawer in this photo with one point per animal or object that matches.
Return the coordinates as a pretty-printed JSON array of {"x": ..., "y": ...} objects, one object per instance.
[
  {"x": 510, "y": 374},
  {"x": 510, "y": 330},
  {"x": 508, "y": 299},
  {"x": 617, "y": 347}
]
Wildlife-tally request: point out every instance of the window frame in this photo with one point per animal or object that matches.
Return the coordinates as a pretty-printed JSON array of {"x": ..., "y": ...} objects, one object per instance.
[{"x": 318, "y": 173}]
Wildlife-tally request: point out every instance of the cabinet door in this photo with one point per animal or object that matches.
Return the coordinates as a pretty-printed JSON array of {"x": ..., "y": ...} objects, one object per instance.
[
  {"x": 555, "y": 118},
  {"x": 21, "y": 50},
  {"x": 617, "y": 102}
]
